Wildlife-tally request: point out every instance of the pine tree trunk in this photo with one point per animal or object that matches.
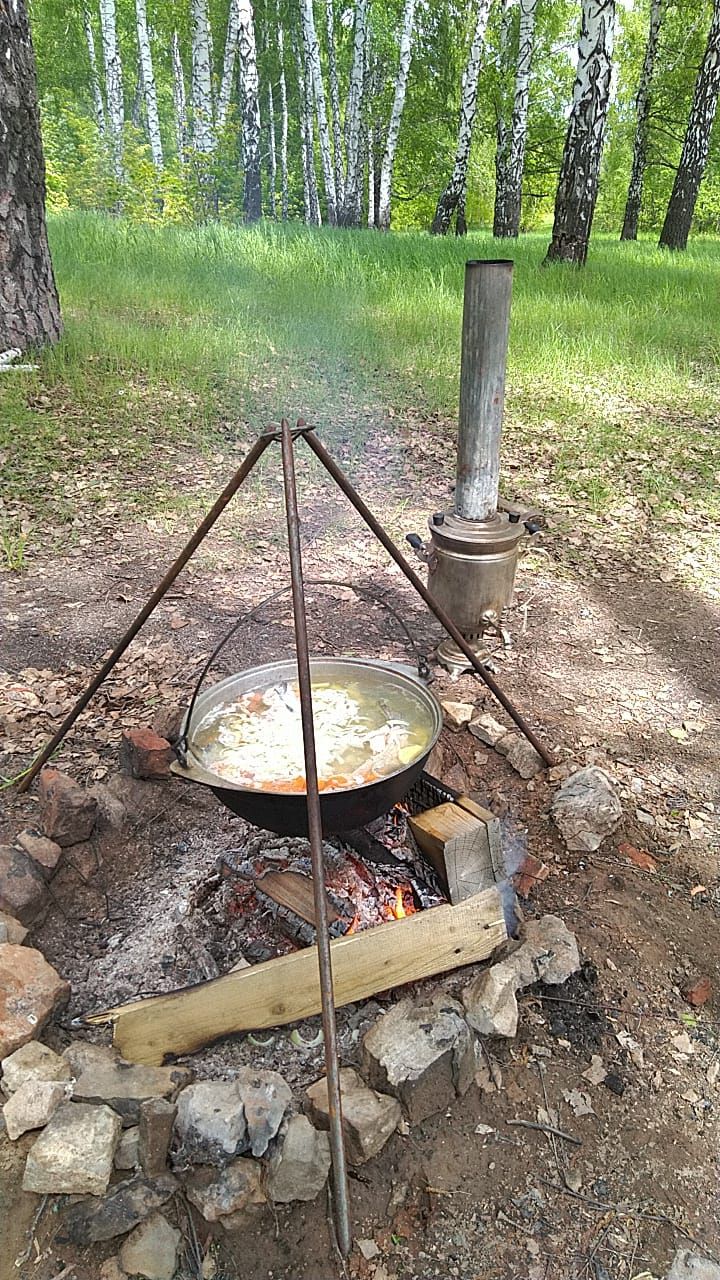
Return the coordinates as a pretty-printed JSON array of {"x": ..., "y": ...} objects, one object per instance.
[
  {"x": 383, "y": 210},
  {"x": 203, "y": 132},
  {"x": 250, "y": 109},
  {"x": 693, "y": 158},
  {"x": 179, "y": 103},
  {"x": 29, "y": 306},
  {"x": 98, "y": 104},
  {"x": 113, "y": 84},
  {"x": 226, "y": 81},
  {"x": 283, "y": 128},
  {"x": 149, "y": 89},
  {"x": 447, "y": 203},
  {"x": 580, "y": 168},
  {"x": 352, "y": 202},
  {"x": 509, "y": 207},
  {"x": 272, "y": 157},
  {"x": 642, "y": 103},
  {"x": 334, "y": 104},
  {"x": 315, "y": 84}
]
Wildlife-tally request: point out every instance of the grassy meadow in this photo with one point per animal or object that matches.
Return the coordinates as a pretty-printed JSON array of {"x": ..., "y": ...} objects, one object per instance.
[{"x": 204, "y": 334}]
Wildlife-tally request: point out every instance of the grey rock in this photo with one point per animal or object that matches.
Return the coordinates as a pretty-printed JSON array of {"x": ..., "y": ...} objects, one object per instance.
[
  {"x": 548, "y": 954},
  {"x": 369, "y": 1117},
  {"x": 299, "y": 1167},
  {"x": 81, "y": 1054},
  {"x": 152, "y": 1250},
  {"x": 220, "y": 1194},
  {"x": 692, "y": 1266},
  {"x": 32, "y": 1106},
  {"x": 33, "y": 1061},
  {"x": 74, "y": 1154},
  {"x": 586, "y": 809},
  {"x": 44, "y": 852},
  {"x": 487, "y": 729},
  {"x": 521, "y": 754},
  {"x": 124, "y": 1085},
  {"x": 125, "y": 1205},
  {"x": 210, "y": 1122},
  {"x": 111, "y": 1270},
  {"x": 422, "y": 1052},
  {"x": 11, "y": 930},
  {"x": 126, "y": 1154},
  {"x": 457, "y": 714},
  {"x": 157, "y": 1117},
  {"x": 265, "y": 1098},
  {"x": 22, "y": 888}
]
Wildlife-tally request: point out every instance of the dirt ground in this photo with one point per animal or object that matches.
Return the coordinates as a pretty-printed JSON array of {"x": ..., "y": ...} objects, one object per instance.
[{"x": 613, "y": 666}]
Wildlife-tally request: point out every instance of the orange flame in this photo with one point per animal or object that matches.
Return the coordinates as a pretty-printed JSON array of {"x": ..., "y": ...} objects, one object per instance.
[{"x": 399, "y": 909}]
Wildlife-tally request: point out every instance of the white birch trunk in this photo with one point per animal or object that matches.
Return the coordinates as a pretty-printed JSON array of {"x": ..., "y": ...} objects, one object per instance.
[
  {"x": 272, "y": 156},
  {"x": 503, "y": 124},
  {"x": 148, "y": 82},
  {"x": 388, "y": 160},
  {"x": 311, "y": 204},
  {"x": 696, "y": 145},
  {"x": 113, "y": 83},
  {"x": 508, "y": 210},
  {"x": 226, "y": 81},
  {"x": 447, "y": 204},
  {"x": 98, "y": 104},
  {"x": 371, "y": 178},
  {"x": 179, "y": 102},
  {"x": 283, "y": 128},
  {"x": 315, "y": 81},
  {"x": 203, "y": 131},
  {"x": 250, "y": 110},
  {"x": 633, "y": 203},
  {"x": 352, "y": 199},
  {"x": 334, "y": 104},
  {"x": 580, "y": 168}
]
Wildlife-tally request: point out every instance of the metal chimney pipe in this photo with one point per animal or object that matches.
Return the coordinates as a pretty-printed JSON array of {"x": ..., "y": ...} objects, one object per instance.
[{"x": 486, "y": 324}]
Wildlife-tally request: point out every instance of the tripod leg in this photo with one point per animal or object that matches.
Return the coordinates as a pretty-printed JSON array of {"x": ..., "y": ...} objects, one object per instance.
[
  {"x": 339, "y": 1171},
  {"x": 189, "y": 549}
]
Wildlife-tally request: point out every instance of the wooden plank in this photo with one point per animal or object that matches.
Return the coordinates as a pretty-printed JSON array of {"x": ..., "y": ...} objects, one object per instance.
[
  {"x": 288, "y": 988},
  {"x": 295, "y": 891}
]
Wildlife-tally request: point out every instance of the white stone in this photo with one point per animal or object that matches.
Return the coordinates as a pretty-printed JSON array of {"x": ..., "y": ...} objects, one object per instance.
[
  {"x": 126, "y": 1155},
  {"x": 586, "y": 809},
  {"x": 299, "y": 1168},
  {"x": 457, "y": 714},
  {"x": 521, "y": 754},
  {"x": 487, "y": 729},
  {"x": 210, "y": 1121},
  {"x": 548, "y": 954},
  {"x": 151, "y": 1250},
  {"x": 692, "y": 1266},
  {"x": 33, "y": 1061},
  {"x": 32, "y": 1106},
  {"x": 422, "y": 1052},
  {"x": 74, "y": 1154}
]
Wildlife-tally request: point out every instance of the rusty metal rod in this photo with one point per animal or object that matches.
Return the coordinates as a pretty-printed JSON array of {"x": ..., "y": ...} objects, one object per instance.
[
  {"x": 354, "y": 497},
  {"x": 243, "y": 471},
  {"x": 332, "y": 1069}
]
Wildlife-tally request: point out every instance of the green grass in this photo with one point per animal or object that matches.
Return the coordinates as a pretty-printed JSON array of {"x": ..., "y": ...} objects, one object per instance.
[{"x": 203, "y": 335}]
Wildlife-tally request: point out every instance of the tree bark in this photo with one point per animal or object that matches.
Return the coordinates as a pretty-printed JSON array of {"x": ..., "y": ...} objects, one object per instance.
[
  {"x": 113, "y": 83},
  {"x": 642, "y": 104},
  {"x": 447, "y": 204},
  {"x": 503, "y": 123},
  {"x": 179, "y": 102},
  {"x": 334, "y": 104},
  {"x": 148, "y": 81},
  {"x": 29, "y": 306},
  {"x": 250, "y": 110},
  {"x": 272, "y": 155},
  {"x": 311, "y": 204},
  {"x": 283, "y": 128},
  {"x": 315, "y": 83},
  {"x": 371, "y": 177},
  {"x": 580, "y": 168},
  {"x": 98, "y": 104},
  {"x": 226, "y": 81},
  {"x": 203, "y": 132},
  {"x": 508, "y": 204},
  {"x": 352, "y": 202},
  {"x": 693, "y": 159},
  {"x": 383, "y": 211}
]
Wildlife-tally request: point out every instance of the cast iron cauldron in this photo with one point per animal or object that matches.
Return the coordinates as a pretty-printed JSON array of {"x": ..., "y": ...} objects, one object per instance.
[{"x": 341, "y": 810}]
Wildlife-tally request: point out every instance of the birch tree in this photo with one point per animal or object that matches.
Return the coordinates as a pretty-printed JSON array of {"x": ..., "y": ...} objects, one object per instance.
[
  {"x": 352, "y": 201},
  {"x": 382, "y": 213},
  {"x": 511, "y": 161},
  {"x": 113, "y": 83},
  {"x": 29, "y": 306},
  {"x": 448, "y": 202},
  {"x": 316, "y": 86},
  {"x": 203, "y": 132},
  {"x": 272, "y": 154},
  {"x": 334, "y": 103},
  {"x": 282, "y": 84},
  {"x": 179, "y": 102},
  {"x": 311, "y": 204},
  {"x": 642, "y": 106},
  {"x": 693, "y": 158},
  {"x": 148, "y": 84},
  {"x": 229, "y": 55},
  {"x": 250, "y": 110},
  {"x": 580, "y": 167},
  {"x": 98, "y": 104}
]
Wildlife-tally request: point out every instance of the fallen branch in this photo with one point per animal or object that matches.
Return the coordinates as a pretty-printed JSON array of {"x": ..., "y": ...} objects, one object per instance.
[{"x": 547, "y": 1128}]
